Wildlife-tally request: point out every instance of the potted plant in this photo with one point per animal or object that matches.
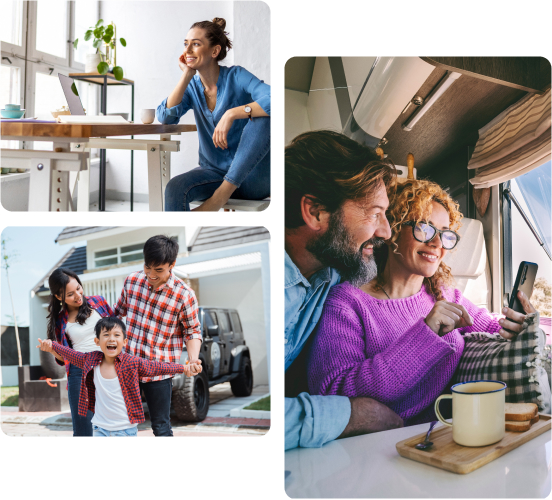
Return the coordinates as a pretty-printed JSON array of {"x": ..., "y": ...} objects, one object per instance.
[{"x": 104, "y": 37}]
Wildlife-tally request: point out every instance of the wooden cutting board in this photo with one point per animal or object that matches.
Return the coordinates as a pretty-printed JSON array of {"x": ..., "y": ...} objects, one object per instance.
[{"x": 446, "y": 454}]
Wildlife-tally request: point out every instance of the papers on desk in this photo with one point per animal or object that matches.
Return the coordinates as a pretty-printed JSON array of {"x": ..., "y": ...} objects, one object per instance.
[{"x": 91, "y": 120}]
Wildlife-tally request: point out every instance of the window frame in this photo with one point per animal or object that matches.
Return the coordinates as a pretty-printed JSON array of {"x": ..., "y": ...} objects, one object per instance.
[
  {"x": 119, "y": 254},
  {"x": 11, "y": 49}
]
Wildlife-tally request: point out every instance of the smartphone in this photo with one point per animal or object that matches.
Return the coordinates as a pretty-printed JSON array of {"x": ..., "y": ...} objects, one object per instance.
[{"x": 527, "y": 272}]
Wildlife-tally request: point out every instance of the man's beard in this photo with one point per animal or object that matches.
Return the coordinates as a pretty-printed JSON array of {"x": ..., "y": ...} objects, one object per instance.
[{"x": 336, "y": 248}]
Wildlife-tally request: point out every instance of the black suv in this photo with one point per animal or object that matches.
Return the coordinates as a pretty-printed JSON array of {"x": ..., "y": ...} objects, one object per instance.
[{"x": 224, "y": 357}]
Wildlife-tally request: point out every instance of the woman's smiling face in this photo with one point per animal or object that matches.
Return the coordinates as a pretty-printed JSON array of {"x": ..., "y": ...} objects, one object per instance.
[
  {"x": 419, "y": 258},
  {"x": 197, "y": 51},
  {"x": 74, "y": 295}
]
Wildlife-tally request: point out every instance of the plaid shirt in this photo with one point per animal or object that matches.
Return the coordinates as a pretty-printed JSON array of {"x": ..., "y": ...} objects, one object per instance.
[
  {"x": 158, "y": 321},
  {"x": 128, "y": 368},
  {"x": 98, "y": 303}
]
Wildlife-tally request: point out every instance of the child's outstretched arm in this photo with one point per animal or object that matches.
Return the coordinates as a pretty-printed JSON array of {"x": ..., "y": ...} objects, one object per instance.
[
  {"x": 74, "y": 357},
  {"x": 46, "y": 346},
  {"x": 149, "y": 368}
]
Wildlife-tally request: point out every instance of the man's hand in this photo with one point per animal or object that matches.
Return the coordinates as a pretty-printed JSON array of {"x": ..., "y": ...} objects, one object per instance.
[
  {"x": 447, "y": 316},
  {"x": 46, "y": 346},
  {"x": 367, "y": 416},
  {"x": 192, "y": 368},
  {"x": 514, "y": 320}
]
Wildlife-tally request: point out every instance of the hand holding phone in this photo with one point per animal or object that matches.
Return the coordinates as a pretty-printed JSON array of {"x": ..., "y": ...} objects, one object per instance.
[{"x": 512, "y": 324}]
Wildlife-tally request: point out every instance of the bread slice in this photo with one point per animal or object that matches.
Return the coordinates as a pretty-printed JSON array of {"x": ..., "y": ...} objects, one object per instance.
[
  {"x": 518, "y": 426},
  {"x": 535, "y": 420},
  {"x": 520, "y": 411}
]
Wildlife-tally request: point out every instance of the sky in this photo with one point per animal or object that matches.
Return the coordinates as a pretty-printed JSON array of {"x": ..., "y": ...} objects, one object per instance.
[{"x": 35, "y": 253}]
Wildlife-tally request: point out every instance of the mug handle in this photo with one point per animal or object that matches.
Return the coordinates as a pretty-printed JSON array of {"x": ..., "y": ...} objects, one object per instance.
[{"x": 437, "y": 412}]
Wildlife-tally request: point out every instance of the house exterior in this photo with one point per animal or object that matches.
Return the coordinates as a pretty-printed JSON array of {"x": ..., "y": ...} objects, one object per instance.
[{"x": 227, "y": 267}]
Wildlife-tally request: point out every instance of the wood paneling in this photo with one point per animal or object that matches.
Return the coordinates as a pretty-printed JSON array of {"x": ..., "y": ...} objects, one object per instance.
[{"x": 531, "y": 74}]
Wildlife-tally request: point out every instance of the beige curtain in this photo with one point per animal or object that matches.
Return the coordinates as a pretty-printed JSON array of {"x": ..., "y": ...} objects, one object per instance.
[{"x": 514, "y": 143}]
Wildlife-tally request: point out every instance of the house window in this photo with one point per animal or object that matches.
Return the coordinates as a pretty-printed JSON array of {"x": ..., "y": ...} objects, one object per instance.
[
  {"x": 11, "y": 22},
  {"x": 119, "y": 255}
]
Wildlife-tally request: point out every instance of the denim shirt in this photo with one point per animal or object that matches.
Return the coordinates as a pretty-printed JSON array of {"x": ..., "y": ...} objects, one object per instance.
[
  {"x": 235, "y": 87},
  {"x": 311, "y": 421}
]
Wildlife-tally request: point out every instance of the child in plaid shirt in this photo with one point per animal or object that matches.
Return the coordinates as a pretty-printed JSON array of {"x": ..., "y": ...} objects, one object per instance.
[{"x": 110, "y": 378}]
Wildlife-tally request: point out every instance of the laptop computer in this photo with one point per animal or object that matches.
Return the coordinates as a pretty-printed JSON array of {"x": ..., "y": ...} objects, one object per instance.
[{"x": 71, "y": 94}]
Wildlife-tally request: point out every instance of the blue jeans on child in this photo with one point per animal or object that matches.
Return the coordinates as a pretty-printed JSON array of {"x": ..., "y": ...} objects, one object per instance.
[
  {"x": 158, "y": 397},
  {"x": 82, "y": 426},
  {"x": 250, "y": 171},
  {"x": 130, "y": 432}
]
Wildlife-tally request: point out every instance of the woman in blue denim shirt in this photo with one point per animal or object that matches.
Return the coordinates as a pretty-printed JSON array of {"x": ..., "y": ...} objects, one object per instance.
[{"x": 231, "y": 109}]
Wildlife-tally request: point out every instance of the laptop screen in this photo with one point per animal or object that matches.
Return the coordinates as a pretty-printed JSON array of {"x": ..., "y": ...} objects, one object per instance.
[{"x": 71, "y": 94}]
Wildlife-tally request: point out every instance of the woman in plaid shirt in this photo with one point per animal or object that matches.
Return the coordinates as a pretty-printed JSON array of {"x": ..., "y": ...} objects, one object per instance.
[
  {"x": 161, "y": 315},
  {"x": 71, "y": 323}
]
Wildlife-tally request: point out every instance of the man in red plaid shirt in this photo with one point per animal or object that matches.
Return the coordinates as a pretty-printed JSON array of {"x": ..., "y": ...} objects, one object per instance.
[{"x": 161, "y": 315}]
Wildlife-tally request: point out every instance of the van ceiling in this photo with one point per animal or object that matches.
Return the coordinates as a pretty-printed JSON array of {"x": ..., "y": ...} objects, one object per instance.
[{"x": 298, "y": 73}]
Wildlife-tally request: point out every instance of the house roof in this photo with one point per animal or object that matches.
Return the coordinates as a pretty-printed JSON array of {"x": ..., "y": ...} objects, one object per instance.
[
  {"x": 74, "y": 231},
  {"x": 74, "y": 259},
  {"x": 209, "y": 238}
]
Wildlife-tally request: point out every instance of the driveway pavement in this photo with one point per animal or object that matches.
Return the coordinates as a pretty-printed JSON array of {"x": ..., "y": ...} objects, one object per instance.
[{"x": 217, "y": 423}]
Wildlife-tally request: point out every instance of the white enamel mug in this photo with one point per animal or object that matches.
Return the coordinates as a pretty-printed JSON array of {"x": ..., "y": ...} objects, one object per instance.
[
  {"x": 477, "y": 412},
  {"x": 147, "y": 115}
]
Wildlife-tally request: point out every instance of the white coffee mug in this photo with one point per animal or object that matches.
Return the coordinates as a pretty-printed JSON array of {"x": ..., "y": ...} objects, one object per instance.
[
  {"x": 477, "y": 412},
  {"x": 147, "y": 115}
]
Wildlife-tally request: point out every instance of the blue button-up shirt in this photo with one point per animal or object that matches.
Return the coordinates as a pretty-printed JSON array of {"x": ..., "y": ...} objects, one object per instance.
[
  {"x": 235, "y": 87},
  {"x": 311, "y": 421}
]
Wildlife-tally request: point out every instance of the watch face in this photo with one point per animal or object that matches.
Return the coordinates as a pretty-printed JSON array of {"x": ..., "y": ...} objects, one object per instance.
[{"x": 248, "y": 109}]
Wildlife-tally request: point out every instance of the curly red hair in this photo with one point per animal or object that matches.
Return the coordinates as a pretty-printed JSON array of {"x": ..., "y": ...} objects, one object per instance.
[{"x": 412, "y": 202}]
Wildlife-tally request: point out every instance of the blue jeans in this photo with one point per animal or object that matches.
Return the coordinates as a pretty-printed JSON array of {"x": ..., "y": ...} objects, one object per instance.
[
  {"x": 158, "y": 397},
  {"x": 249, "y": 171},
  {"x": 130, "y": 432},
  {"x": 82, "y": 426}
]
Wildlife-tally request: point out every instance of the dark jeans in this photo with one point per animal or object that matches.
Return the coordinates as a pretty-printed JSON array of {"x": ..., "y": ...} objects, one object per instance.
[
  {"x": 250, "y": 171},
  {"x": 82, "y": 426},
  {"x": 158, "y": 397}
]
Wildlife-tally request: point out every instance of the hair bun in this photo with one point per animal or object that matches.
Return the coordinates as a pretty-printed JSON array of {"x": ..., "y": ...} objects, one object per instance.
[{"x": 219, "y": 21}]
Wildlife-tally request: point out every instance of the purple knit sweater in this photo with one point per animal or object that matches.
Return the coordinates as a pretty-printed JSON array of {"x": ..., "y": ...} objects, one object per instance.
[{"x": 384, "y": 350}]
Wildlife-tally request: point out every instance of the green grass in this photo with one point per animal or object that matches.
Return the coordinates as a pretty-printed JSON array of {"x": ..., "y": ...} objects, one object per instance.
[
  {"x": 10, "y": 396},
  {"x": 262, "y": 404}
]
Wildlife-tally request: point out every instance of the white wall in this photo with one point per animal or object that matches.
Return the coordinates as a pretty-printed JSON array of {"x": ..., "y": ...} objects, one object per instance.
[
  {"x": 155, "y": 32},
  {"x": 242, "y": 291},
  {"x": 297, "y": 118}
]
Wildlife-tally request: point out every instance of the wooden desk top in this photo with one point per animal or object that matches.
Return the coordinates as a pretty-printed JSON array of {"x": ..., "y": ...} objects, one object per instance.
[
  {"x": 26, "y": 129},
  {"x": 98, "y": 79}
]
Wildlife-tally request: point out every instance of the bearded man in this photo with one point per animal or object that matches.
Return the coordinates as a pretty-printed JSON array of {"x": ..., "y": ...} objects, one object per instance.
[{"x": 336, "y": 198}]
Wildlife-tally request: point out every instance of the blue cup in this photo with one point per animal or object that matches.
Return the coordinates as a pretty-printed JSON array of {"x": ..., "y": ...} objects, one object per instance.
[{"x": 12, "y": 107}]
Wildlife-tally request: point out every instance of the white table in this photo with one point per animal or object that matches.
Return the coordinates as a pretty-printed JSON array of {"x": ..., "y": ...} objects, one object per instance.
[
  {"x": 50, "y": 188},
  {"x": 370, "y": 467}
]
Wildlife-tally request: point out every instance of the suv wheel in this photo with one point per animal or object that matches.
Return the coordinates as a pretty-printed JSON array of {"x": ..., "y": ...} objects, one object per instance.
[
  {"x": 191, "y": 403},
  {"x": 242, "y": 385}
]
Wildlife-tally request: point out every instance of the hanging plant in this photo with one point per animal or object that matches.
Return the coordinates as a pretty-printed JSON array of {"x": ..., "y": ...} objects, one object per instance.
[{"x": 104, "y": 37}]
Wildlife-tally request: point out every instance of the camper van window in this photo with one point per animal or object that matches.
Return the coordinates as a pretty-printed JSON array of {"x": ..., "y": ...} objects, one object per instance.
[{"x": 532, "y": 192}]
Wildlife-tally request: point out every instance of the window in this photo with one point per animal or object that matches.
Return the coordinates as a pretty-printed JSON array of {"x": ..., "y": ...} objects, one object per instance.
[
  {"x": 86, "y": 15},
  {"x": 10, "y": 91},
  {"x": 52, "y": 34},
  {"x": 119, "y": 255},
  {"x": 223, "y": 321},
  {"x": 11, "y": 22},
  {"x": 236, "y": 321}
]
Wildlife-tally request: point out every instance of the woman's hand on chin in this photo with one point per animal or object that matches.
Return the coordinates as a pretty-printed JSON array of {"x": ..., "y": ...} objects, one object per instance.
[
  {"x": 221, "y": 131},
  {"x": 447, "y": 316},
  {"x": 184, "y": 67},
  {"x": 514, "y": 320}
]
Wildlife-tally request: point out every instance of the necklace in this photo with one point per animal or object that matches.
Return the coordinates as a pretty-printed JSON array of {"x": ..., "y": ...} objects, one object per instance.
[
  {"x": 383, "y": 290},
  {"x": 207, "y": 96}
]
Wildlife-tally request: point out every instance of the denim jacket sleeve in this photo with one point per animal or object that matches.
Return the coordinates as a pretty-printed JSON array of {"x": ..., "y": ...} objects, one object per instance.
[
  {"x": 257, "y": 89},
  {"x": 172, "y": 115},
  {"x": 312, "y": 421}
]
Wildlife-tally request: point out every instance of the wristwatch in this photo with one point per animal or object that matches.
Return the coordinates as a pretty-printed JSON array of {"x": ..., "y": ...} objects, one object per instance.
[{"x": 248, "y": 110}]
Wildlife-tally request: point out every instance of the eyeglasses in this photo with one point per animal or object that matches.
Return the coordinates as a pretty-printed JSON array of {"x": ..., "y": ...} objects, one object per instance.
[{"x": 424, "y": 232}]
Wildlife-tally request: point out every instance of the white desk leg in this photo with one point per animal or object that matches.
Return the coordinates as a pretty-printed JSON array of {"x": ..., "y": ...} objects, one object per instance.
[
  {"x": 155, "y": 184},
  {"x": 83, "y": 202},
  {"x": 166, "y": 166},
  {"x": 40, "y": 185}
]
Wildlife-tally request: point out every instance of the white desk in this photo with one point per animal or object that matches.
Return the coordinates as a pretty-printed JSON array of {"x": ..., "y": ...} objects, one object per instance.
[
  {"x": 370, "y": 467},
  {"x": 49, "y": 186}
]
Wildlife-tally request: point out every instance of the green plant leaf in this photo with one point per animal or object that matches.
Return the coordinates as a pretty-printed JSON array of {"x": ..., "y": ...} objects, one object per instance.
[
  {"x": 103, "y": 68},
  {"x": 109, "y": 30},
  {"x": 123, "y": 42},
  {"x": 107, "y": 38},
  {"x": 96, "y": 43},
  {"x": 88, "y": 35},
  {"x": 118, "y": 72},
  {"x": 99, "y": 23},
  {"x": 74, "y": 89},
  {"x": 98, "y": 32},
  {"x": 75, "y": 43}
]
